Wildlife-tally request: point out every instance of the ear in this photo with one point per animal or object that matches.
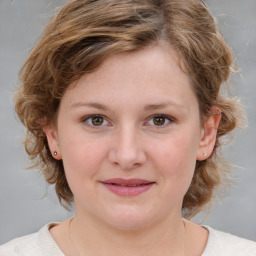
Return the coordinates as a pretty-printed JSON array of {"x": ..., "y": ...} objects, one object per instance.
[
  {"x": 209, "y": 134},
  {"x": 50, "y": 131}
]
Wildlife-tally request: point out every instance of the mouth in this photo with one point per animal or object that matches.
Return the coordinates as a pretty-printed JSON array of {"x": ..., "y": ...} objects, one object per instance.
[{"x": 131, "y": 187}]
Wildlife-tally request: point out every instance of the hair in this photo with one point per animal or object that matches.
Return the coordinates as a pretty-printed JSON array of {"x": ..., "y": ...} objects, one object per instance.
[{"x": 85, "y": 32}]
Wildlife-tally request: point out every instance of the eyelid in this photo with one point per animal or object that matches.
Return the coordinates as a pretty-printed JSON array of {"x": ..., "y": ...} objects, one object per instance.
[
  {"x": 85, "y": 118},
  {"x": 169, "y": 118}
]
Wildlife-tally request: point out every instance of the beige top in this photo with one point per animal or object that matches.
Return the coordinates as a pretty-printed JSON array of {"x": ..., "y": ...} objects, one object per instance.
[{"x": 43, "y": 244}]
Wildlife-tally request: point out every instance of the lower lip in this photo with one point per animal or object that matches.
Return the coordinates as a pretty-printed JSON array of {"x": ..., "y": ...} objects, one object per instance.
[{"x": 128, "y": 191}]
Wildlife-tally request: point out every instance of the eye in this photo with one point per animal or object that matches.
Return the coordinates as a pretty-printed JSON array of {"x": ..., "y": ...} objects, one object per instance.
[
  {"x": 160, "y": 120},
  {"x": 95, "y": 121}
]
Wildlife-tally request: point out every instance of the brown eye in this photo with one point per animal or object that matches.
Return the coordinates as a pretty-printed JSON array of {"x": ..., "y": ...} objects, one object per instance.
[
  {"x": 159, "y": 120},
  {"x": 97, "y": 120}
]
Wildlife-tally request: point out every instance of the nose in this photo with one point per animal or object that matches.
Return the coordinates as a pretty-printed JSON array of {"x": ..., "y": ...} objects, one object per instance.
[{"x": 127, "y": 150}]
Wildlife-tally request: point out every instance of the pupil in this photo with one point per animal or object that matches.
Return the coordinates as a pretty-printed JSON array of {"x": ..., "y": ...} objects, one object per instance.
[
  {"x": 97, "y": 121},
  {"x": 159, "y": 120}
]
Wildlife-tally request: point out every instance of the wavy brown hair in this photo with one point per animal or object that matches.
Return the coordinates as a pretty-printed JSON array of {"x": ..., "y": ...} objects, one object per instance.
[{"x": 85, "y": 32}]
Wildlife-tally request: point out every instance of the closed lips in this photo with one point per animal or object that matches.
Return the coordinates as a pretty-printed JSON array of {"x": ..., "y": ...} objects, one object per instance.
[
  {"x": 127, "y": 188},
  {"x": 127, "y": 183}
]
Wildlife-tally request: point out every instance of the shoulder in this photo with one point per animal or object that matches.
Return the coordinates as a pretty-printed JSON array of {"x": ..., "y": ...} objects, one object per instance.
[
  {"x": 36, "y": 244},
  {"x": 26, "y": 244},
  {"x": 224, "y": 244}
]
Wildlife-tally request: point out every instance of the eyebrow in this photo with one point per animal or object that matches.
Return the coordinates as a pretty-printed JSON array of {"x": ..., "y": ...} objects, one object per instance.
[
  {"x": 161, "y": 106},
  {"x": 148, "y": 107},
  {"x": 90, "y": 104}
]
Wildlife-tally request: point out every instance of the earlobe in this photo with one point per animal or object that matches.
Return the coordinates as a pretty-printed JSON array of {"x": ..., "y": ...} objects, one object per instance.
[
  {"x": 52, "y": 138},
  {"x": 209, "y": 134}
]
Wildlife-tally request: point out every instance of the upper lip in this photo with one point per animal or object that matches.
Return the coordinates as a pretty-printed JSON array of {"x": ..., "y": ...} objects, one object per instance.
[{"x": 127, "y": 181}]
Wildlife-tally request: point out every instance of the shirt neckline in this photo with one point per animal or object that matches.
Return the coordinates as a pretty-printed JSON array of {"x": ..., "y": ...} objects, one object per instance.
[{"x": 46, "y": 234}]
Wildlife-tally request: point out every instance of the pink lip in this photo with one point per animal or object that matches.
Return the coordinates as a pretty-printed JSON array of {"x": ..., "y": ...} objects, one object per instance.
[{"x": 131, "y": 187}]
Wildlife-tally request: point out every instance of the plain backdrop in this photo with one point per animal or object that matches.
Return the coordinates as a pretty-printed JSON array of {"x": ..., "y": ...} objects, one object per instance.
[{"x": 27, "y": 203}]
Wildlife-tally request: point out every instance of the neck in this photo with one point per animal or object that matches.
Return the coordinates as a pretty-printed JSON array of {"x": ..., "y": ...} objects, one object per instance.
[{"x": 167, "y": 237}]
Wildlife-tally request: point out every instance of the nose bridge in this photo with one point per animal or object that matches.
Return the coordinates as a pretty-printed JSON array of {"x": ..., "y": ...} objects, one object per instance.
[
  {"x": 128, "y": 141},
  {"x": 127, "y": 150}
]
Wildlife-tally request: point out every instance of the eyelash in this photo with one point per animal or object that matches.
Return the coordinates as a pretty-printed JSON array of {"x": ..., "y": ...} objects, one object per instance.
[
  {"x": 85, "y": 120},
  {"x": 166, "y": 117}
]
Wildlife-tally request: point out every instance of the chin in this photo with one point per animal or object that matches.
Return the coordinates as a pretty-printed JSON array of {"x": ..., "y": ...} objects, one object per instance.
[{"x": 130, "y": 220}]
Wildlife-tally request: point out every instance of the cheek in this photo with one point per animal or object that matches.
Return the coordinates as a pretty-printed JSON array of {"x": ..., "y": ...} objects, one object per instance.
[
  {"x": 175, "y": 157},
  {"x": 82, "y": 159}
]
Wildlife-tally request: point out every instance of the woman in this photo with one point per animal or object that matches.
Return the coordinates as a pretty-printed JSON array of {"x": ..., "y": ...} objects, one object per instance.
[{"x": 122, "y": 104}]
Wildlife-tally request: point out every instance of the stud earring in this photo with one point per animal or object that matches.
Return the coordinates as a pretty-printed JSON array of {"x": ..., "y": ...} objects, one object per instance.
[
  {"x": 204, "y": 154},
  {"x": 55, "y": 153}
]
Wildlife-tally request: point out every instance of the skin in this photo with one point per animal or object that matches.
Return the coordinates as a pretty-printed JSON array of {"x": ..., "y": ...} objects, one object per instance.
[{"x": 129, "y": 142}]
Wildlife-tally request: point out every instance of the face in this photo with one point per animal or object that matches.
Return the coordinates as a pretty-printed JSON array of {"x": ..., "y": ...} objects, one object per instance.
[{"x": 129, "y": 135}]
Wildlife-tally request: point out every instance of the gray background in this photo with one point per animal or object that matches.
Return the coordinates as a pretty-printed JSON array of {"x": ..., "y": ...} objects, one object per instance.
[{"x": 27, "y": 203}]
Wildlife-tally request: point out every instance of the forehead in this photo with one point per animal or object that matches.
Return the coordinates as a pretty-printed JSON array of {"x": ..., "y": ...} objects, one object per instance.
[
  {"x": 146, "y": 77},
  {"x": 150, "y": 63}
]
